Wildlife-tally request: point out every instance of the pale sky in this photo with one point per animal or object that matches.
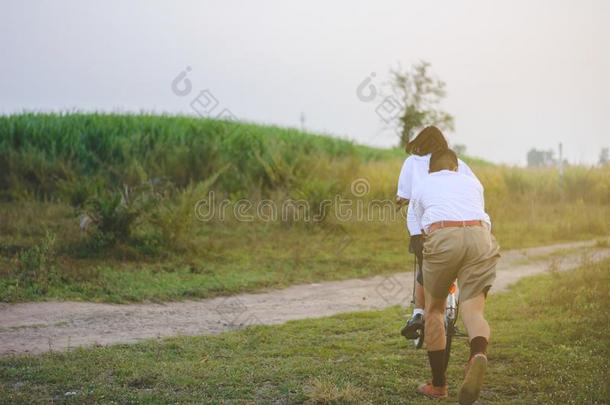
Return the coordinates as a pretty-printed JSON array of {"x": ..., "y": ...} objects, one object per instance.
[{"x": 519, "y": 74}]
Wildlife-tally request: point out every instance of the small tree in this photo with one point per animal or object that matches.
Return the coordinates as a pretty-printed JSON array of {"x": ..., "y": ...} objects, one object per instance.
[{"x": 419, "y": 94}]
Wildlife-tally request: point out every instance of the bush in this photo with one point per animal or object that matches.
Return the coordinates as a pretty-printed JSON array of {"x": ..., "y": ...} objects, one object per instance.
[
  {"x": 113, "y": 215},
  {"x": 36, "y": 266},
  {"x": 170, "y": 223}
]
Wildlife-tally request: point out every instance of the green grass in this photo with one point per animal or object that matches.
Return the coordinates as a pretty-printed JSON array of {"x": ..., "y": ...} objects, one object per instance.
[
  {"x": 54, "y": 167},
  {"x": 549, "y": 345},
  {"x": 228, "y": 258}
]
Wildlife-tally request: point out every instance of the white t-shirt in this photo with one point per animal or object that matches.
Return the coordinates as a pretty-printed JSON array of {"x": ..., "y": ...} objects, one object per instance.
[
  {"x": 414, "y": 170},
  {"x": 448, "y": 196}
]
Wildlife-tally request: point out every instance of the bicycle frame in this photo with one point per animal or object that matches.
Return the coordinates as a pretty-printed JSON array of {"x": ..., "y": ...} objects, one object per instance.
[
  {"x": 451, "y": 315},
  {"x": 451, "y": 310}
]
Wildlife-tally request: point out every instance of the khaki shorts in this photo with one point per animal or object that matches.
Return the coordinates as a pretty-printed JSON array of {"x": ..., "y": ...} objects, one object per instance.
[{"x": 469, "y": 254}]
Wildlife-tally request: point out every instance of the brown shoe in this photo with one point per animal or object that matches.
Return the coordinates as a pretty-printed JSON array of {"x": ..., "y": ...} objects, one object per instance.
[
  {"x": 473, "y": 381},
  {"x": 432, "y": 391}
]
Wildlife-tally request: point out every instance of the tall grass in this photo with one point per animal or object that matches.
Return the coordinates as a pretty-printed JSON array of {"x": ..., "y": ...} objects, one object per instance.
[
  {"x": 76, "y": 158},
  {"x": 47, "y": 156},
  {"x": 40, "y": 152}
]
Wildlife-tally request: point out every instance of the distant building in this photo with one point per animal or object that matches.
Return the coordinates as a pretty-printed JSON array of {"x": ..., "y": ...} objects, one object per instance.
[{"x": 541, "y": 158}]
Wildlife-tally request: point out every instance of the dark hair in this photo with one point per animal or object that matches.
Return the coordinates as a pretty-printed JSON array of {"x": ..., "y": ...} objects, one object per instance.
[
  {"x": 429, "y": 140},
  {"x": 443, "y": 160}
]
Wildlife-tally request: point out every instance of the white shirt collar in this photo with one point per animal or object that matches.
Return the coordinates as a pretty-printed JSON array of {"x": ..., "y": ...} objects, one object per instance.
[{"x": 444, "y": 173}]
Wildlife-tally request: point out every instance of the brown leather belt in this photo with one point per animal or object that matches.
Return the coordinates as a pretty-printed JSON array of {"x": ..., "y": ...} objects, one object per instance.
[{"x": 453, "y": 224}]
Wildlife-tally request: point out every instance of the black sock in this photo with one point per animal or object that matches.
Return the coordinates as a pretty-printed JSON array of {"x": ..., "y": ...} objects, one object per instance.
[
  {"x": 478, "y": 345},
  {"x": 437, "y": 364}
]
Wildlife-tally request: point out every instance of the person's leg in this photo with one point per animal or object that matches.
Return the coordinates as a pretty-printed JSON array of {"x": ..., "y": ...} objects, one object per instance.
[
  {"x": 420, "y": 300},
  {"x": 477, "y": 327},
  {"x": 415, "y": 324},
  {"x": 435, "y": 338},
  {"x": 416, "y": 246},
  {"x": 472, "y": 312},
  {"x": 474, "y": 279},
  {"x": 443, "y": 253}
]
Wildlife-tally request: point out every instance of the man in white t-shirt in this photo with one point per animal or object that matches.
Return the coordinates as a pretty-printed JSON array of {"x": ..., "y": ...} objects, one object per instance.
[{"x": 449, "y": 207}]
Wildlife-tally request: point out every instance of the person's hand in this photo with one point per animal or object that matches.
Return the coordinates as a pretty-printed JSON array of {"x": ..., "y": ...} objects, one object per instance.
[{"x": 400, "y": 202}]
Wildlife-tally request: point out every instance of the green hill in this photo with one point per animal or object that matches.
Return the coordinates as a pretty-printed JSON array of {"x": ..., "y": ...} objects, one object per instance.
[{"x": 40, "y": 151}]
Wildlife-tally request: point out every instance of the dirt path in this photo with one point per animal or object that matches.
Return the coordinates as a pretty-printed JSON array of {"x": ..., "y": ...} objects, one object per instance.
[{"x": 43, "y": 326}]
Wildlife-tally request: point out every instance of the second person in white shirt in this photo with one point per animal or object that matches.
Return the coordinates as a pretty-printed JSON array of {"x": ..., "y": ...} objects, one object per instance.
[{"x": 416, "y": 168}]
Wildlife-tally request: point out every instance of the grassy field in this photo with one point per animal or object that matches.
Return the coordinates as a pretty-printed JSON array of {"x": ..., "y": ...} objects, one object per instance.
[
  {"x": 549, "y": 345},
  {"x": 138, "y": 179}
]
